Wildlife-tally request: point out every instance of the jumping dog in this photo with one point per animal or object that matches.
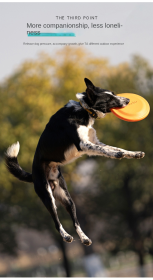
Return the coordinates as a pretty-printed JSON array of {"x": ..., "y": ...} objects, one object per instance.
[{"x": 68, "y": 135}]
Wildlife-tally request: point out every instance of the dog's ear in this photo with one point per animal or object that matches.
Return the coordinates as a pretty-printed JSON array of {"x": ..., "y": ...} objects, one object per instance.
[
  {"x": 90, "y": 91},
  {"x": 88, "y": 83}
]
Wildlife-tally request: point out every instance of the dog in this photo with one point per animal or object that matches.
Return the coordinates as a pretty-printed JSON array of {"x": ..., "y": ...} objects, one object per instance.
[{"x": 69, "y": 135}]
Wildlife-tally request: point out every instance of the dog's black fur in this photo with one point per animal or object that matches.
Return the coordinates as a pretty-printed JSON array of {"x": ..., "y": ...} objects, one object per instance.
[{"x": 67, "y": 136}]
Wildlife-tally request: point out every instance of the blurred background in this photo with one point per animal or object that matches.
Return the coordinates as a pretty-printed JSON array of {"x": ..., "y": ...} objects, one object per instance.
[{"x": 114, "y": 198}]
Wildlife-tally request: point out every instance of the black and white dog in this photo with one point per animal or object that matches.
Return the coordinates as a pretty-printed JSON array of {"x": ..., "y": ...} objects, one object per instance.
[{"x": 68, "y": 135}]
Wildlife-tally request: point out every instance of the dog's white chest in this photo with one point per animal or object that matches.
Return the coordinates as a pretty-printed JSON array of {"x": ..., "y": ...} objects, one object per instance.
[{"x": 86, "y": 134}]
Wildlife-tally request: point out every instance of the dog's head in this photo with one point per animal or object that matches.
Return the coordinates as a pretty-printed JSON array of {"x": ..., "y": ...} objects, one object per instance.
[{"x": 101, "y": 99}]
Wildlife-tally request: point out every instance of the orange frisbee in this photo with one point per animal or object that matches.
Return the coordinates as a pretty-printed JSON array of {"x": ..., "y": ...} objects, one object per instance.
[{"x": 137, "y": 109}]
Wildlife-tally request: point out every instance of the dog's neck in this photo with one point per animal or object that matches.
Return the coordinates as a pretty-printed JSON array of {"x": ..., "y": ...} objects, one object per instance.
[{"x": 92, "y": 112}]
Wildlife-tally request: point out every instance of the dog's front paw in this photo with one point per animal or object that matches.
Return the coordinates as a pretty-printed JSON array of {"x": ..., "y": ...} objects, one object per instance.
[
  {"x": 87, "y": 242},
  {"x": 139, "y": 155}
]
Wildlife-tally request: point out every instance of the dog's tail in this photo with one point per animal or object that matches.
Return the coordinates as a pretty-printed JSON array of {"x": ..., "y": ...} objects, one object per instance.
[{"x": 13, "y": 166}]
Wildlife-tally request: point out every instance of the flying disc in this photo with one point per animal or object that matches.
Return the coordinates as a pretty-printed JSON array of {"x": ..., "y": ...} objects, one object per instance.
[{"x": 137, "y": 109}]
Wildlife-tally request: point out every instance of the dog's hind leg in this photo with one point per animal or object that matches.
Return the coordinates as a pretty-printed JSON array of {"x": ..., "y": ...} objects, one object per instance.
[
  {"x": 44, "y": 191},
  {"x": 62, "y": 194}
]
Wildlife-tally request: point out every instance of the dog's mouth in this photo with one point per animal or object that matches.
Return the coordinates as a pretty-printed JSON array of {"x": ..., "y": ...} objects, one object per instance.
[
  {"x": 121, "y": 106},
  {"x": 117, "y": 107}
]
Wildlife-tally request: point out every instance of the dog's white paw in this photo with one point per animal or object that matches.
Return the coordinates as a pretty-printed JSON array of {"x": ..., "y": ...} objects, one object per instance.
[
  {"x": 139, "y": 155},
  {"x": 86, "y": 241},
  {"x": 68, "y": 238}
]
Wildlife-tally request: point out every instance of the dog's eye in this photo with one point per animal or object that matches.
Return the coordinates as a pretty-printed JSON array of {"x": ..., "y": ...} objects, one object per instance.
[{"x": 111, "y": 97}]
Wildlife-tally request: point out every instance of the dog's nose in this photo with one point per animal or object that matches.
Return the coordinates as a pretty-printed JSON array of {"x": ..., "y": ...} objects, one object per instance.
[{"x": 127, "y": 100}]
